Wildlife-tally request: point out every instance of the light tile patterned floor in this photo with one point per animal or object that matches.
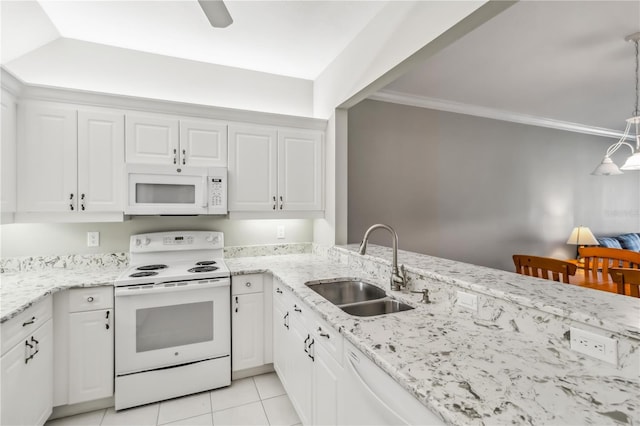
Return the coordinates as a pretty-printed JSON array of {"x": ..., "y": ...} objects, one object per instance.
[{"x": 259, "y": 400}]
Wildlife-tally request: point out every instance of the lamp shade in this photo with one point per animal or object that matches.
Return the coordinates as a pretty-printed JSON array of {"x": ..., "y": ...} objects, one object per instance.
[
  {"x": 632, "y": 163},
  {"x": 606, "y": 168},
  {"x": 582, "y": 236}
]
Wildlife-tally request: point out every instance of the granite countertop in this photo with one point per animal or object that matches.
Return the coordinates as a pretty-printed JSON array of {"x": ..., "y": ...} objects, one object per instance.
[{"x": 468, "y": 369}]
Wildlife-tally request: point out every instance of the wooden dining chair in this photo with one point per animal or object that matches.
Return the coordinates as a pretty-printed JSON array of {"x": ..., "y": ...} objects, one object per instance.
[
  {"x": 600, "y": 259},
  {"x": 626, "y": 276},
  {"x": 544, "y": 267}
]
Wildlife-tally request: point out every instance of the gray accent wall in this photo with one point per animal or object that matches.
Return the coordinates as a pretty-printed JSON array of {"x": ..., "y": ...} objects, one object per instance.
[{"x": 478, "y": 190}]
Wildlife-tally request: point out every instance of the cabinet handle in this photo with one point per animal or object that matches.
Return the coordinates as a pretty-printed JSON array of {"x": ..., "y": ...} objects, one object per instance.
[
  {"x": 286, "y": 320},
  {"x": 236, "y": 303},
  {"x": 248, "y": 284},
  {"x": 82, "y": 206},
  {"x": 323, "y": 334},
  {"x": 31, "y": 321},
  {"x": 281, "y": 202},
  {"x": 90, "y": 299},
  {"x": 107, "y": 324},
  {"x": 274, "y": 202},
  {"x": 311, "y": 352},
  {"x": 278, "y": 291}
]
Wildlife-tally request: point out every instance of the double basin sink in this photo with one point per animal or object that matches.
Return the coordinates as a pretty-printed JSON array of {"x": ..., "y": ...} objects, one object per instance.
[{"x": 357, "y": 297}]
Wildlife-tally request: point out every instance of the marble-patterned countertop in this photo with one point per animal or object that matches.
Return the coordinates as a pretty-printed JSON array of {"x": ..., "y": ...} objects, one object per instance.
[
  {"x": 468, "y": 371},
  {"x": 19, "y": 290}
]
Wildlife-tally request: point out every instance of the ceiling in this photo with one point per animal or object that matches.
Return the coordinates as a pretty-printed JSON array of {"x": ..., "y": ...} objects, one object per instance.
[
  {"x": 291, "y": 38},
  {"x": 564, "y": 60}
]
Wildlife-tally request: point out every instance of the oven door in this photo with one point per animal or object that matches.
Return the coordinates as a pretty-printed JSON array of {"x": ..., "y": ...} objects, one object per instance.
[
  {"x": 168, "y": 324},
  {"x": 157, "y": 190}
]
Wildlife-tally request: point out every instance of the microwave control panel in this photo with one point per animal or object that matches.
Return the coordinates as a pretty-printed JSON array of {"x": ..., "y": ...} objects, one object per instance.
[{"x": 218, "y": 191}]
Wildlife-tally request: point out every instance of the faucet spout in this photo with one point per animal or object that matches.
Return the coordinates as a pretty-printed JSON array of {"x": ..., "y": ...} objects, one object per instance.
[{"x": 398, "y": 279}]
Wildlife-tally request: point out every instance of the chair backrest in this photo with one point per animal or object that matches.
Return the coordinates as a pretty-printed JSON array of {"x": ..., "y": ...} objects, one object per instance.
[
  {"x": 631, "y": 277},
  {"x": 544, "y": 267},
  {"x": 603, "y": 258}
]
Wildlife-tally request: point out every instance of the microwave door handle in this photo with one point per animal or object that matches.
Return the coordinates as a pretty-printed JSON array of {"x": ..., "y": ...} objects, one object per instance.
[{"x": 205, "y": 191}]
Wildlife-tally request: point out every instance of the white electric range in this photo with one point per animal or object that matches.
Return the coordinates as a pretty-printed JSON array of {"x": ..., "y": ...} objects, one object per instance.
[{"x": 172, "y": 318}]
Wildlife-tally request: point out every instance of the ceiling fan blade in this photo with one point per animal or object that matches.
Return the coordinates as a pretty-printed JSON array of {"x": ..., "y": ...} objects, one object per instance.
[{"x": 216, "y": 13}]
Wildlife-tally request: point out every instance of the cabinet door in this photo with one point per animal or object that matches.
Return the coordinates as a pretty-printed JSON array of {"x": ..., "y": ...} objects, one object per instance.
[
  {"x": 90, "y": 355},
  {"x": 100, "y": 161},
  {"x": 247, "y": 328},
  {"x": 252, "y": 168},
  {"x": 326, "y": 382},
  {"x": 27, "y": 387},
  {"x": 300, "y": 379},
  {"x": 8, "y": 191},
  {"x": 300, "y": 170},
  {"x": 151, "y": 139},
  {"x": 203, "y": 143},
  {"x": 47, "y": 160}
]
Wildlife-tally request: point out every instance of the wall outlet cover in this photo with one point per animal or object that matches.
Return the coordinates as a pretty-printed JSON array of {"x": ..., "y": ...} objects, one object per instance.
[{"x": 594, "y": 345}]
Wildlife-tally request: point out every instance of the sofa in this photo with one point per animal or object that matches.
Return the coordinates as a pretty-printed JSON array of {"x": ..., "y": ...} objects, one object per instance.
[{"x": 629, "y": 241}]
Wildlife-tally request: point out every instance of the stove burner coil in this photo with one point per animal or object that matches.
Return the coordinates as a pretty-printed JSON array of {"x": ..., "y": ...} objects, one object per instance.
[
  {"x": 151, "y": 267},
  {"x": 206, "y": 263},
  {"x": 143, "y": 274},
  {"x": 203, "y": 269}
]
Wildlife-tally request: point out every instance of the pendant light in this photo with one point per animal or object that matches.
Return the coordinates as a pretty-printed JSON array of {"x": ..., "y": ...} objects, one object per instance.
[{"x": 608, "y": 167}]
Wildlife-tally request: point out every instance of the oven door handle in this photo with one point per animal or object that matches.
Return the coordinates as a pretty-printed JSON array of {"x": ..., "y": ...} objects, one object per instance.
[{"x": 142, "y": 290}]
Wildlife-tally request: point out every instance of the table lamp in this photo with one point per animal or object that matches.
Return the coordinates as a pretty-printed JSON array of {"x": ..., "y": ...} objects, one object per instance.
[{"x": 582, "y": 236}]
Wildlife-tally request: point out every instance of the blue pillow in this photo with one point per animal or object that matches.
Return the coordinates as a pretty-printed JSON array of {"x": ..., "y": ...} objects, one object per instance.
[
  {"x": 629, "y": 241},
  {"x": 609, "y": 242}
]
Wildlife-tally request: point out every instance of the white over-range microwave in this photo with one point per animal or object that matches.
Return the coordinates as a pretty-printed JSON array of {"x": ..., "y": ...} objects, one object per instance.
[{"x": 171, "y": 190}]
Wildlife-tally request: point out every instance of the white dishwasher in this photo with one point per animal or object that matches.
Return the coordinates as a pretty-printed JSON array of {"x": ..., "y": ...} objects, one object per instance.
[{"x": 371, "y": 397}]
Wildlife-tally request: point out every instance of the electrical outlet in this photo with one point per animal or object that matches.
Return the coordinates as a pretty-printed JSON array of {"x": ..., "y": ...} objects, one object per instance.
[
  {"x": 595, "y": 345},
  {"x": 280, "y": 232},
  {"x": 93, "y": 239},
  {"x": 467, "y": 301}
]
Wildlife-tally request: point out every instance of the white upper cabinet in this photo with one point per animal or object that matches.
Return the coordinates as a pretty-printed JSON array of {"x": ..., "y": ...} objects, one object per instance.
[
  {"x": 70, "y": 161},
  {"x": 8, "y": 154},
  {"x": 152, "y": 139},
  {"x": 275, "y": 170},
  {"x": 299, "y": 170},
  {"x": 100, "y": 161},
  {"x": 203, "y": 143},
  {"x": 156, "y": 139},
  {"x": 47, "y": 159},
  {"x": 253, "y": 159}
]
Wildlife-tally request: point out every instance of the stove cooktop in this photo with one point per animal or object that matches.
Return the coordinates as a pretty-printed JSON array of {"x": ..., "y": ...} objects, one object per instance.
[{"x": 178, "y": 271}]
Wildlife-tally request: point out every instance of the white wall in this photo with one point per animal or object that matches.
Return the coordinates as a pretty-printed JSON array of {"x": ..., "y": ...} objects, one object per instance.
[
  {"x": 52, "y": 239},
  {"x": 98, "y": 68},
  {"x": 479, "y": 190}
]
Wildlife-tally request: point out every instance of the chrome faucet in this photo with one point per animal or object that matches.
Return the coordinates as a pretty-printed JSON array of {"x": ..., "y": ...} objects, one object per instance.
[{"x": 398, "y": 279}]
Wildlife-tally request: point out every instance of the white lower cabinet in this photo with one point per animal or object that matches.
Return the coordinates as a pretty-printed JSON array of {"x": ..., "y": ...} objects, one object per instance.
[
  {"x": 304, "y": 358},
  {"x": 27, "y": 367},
  {"x": 84, "y": 346}
]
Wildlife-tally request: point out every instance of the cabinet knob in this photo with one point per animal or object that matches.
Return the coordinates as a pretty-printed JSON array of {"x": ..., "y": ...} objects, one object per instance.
[{"x": 90, "y": 299}]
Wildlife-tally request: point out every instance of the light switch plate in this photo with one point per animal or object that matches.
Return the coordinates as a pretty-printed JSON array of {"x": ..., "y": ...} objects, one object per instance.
[
  {"x": 595, "y": 345},
  {"x": 93, "y": 239},
  {"x": 467, "y": 301}
]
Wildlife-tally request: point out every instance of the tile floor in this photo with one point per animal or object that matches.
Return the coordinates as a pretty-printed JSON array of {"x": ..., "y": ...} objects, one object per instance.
[{"x": 259, "y": 400}]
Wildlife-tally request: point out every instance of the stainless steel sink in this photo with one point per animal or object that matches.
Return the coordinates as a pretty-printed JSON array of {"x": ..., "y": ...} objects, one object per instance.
[
  {"x": 357, "y": 297},
  {"x": 377, "y": 307},
  {"x": 347, "y": 291}
]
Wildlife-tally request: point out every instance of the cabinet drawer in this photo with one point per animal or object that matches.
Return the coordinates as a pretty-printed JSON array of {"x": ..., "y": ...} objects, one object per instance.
[
  {"x": 25, "y": 323},
  {"x": 90, "y": 298},
  {"x": 250, "y": 283},
  {"x": 327, "y": 337}
]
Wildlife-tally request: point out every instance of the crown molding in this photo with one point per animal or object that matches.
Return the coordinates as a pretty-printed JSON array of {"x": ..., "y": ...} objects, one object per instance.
[{"x": 492, "y": 113}]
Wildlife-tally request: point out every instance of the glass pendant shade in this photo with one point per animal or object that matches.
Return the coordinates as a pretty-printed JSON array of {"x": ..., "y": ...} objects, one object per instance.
[
  {"x": 632, "y": 163},
  {"x": 606, "y": 168}
]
